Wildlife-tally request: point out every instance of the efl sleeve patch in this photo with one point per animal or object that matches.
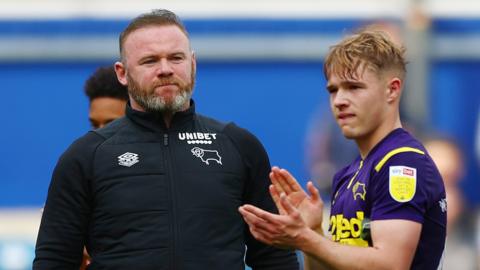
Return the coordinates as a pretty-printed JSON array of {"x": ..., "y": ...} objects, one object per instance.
[{"x": 402, "y": 183}]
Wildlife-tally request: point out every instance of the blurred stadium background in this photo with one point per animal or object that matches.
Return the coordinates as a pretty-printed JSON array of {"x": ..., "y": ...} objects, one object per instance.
[{"x": 259, "y": 64}]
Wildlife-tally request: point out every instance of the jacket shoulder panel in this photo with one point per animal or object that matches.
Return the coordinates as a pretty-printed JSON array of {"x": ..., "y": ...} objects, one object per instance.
[
  {"x": 211, "y": 124},
  {"x": 112, "y": 128}
]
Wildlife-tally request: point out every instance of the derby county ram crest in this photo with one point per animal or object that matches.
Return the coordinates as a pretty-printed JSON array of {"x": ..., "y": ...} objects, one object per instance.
[{"x": 207, "y": 155}]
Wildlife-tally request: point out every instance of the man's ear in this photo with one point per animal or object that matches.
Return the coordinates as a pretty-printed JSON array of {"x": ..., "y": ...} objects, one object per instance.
[
  {"x": 394, "y": 89},
  {"x": 121, "y": 73},
  {"x": 194, "y": 63}
]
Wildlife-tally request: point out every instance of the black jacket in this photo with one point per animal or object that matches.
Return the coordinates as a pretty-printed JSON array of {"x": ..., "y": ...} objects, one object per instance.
[{"x": 141, "y": 196}]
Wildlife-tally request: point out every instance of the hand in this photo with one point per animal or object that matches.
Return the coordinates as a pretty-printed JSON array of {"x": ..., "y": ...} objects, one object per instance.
[
  {"x": 284, "y": 231},
  {"x": 86, "y": 259},
  {"x": 310, "y": 207}
]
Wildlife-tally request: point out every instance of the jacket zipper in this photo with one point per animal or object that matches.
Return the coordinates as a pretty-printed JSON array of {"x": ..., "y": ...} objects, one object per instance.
[{"x": 173, "y": 214}]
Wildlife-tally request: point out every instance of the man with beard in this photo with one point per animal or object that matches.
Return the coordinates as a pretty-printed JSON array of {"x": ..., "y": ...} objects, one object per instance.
[{"x": 158, "y": 188}]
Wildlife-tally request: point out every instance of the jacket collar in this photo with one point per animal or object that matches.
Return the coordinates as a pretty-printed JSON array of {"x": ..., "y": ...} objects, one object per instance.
[{"x": 154, "y": 121}]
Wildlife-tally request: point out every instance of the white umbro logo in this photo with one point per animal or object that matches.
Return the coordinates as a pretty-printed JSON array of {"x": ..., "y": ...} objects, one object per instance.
[{"x": 128, "y": 159}]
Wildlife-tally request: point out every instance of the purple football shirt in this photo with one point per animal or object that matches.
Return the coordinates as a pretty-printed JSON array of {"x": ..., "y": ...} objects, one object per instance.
[{"x": 397, "y": 180}]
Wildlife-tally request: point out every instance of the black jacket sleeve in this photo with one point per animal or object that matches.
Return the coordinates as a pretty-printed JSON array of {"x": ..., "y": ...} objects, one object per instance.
[
  {"x": 65, "y": 217},
  {"x": 259, "y": 256}
]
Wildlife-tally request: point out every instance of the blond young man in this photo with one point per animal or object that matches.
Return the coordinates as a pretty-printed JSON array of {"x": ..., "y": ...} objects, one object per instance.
[{"x": 388, "y": 205}]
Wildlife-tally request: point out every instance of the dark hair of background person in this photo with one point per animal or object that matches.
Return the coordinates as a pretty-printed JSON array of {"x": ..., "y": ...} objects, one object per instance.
[{"x": 104, "y": 83}]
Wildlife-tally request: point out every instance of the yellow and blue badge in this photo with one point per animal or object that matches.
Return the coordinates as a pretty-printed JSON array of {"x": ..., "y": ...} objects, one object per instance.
[{"x": 402, "y": 183}]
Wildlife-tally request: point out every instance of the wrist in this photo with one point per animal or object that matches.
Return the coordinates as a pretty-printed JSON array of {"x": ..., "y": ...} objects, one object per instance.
[
  {"x": 309, "y": 238},
  {"x": 318, "y": 229}
]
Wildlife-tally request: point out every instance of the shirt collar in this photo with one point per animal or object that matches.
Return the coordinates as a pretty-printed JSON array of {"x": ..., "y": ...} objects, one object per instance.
[{"x": 154, "y": 121}]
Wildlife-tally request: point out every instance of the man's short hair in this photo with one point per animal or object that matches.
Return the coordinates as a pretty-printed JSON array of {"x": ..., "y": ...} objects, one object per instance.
[
  {"x": 104, "y": 83},
  {"x": 365, "y": 50},
  {"x": 155, "y": 17}
]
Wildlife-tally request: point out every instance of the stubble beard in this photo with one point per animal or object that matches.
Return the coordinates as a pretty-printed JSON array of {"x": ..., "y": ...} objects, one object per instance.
[{"x": 150, "y": 102}]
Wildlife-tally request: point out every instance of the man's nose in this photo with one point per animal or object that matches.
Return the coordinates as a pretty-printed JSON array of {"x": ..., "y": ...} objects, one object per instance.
[
  {"x": 340, "y": 100},
  {"x": 164, "y": 68}
]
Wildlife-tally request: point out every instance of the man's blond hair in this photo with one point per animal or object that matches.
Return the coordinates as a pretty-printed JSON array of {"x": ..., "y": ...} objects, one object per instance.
[{"x": 366, "y": 50}]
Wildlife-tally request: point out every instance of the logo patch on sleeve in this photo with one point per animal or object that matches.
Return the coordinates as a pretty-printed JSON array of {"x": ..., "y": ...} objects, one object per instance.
[{"x": 402, "y": 182}]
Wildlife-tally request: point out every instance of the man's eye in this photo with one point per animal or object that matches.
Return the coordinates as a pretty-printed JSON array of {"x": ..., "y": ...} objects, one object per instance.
[
  {"x": 331, "y": 90},
  {"x": 177, "y": 59},
  {"x": 148, "y": 61}
]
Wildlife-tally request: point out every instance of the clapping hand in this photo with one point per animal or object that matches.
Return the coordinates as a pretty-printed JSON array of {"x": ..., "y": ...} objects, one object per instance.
[{"x": 310, "y": 207}]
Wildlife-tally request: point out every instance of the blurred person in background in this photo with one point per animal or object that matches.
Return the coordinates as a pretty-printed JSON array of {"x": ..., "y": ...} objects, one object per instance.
[
  {"x": 477, "y": 139},
  {"x": 388, "y": 206},
  {"x": 107, "y": 97},
  {"x": 449, "y": 158},
  {"x": 477, "y": 222},
  {"x": 158, "y": 188}
]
